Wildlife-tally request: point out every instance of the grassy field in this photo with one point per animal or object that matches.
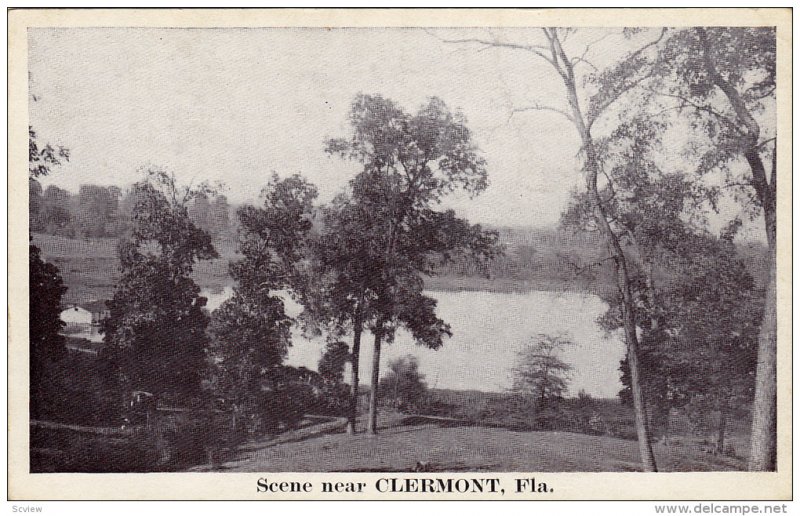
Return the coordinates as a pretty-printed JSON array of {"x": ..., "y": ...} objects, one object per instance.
[
  {"x": 448, "y": 446},
  {"x": 90, "y": 266}
]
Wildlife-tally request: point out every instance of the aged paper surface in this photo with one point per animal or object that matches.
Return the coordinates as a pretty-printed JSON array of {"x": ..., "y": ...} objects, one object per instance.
[{"x": 239, "y": 96}]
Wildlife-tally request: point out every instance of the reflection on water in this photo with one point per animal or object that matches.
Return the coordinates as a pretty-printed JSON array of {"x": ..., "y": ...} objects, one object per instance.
[{"x": 488, "y": 330}]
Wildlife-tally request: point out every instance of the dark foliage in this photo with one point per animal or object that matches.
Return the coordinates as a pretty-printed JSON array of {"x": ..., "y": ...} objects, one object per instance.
[{"x": 156, "y": 331}]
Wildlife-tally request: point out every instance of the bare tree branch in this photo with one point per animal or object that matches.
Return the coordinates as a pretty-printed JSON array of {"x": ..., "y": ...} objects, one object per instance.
[
  {"x": 537, "y": 107},
  {"x": 577, "y": 60},
  {"x": 536, "y": 49},
  {"x": 765, "y": 142},
  {"x": 763, "y": 95}
]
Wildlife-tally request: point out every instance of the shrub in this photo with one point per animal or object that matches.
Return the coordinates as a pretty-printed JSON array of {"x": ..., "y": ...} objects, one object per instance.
[
  {"x": 698, "y": 413},
  {"x": 284, "y": 408}
]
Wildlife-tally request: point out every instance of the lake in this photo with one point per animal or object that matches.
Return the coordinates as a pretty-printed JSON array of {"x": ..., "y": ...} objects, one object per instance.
[{"x": 489, "y": 328}]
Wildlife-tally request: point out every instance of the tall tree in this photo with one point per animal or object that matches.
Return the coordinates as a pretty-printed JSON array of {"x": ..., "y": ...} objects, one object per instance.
[
  {"x": 344, "y": 280},
  {"x": 46, "y": 288},
  {"x": 156, "y": 329},
  {"x": 46, "y": 341},
  {"x": 647, "y": 208},
  {"x": 96, "y": 208},
  {"x": 251, "y": 332},
  {"x": 726, "y": 84},
  {"x": 583, "y": 111},
  {"x": 716, "y": 310},
  {"x": 409, "y": 163},
  {"x": 56, "y": 214},
  {"x": 349, "y": 293}
]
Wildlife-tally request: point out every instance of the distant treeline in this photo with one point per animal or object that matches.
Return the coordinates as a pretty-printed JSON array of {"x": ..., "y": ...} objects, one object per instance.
[
  {"x": 550, "y": 258},
  {"x": 106, "y": 211}
]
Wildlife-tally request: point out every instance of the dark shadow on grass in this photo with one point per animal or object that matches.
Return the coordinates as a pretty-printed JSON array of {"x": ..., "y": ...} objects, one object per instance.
[
  {"x": 448, "y": 422},
  {"x": 338, "y": 429}
]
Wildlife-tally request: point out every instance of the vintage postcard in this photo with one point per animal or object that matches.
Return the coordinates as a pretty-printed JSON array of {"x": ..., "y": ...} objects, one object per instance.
[{"x": 321, "y": 254}]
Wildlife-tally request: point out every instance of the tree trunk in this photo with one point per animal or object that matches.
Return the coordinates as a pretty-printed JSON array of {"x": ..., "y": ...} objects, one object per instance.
[
  {"x": 628, "y": 314},
  {"x": 592, "y": 169},
  {"x": 763, "y": 445},
  {"x": 640, "y": 410},
  {"x": 763, "y": 438},
  {"x": 353, "y": 410},
  {"x": 650, "y": 284},
  {"x": 659, "y": 412},
  {"x": 372, "y": 424}
]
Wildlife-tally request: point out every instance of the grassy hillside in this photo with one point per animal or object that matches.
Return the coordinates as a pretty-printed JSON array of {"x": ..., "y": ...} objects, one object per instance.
[
  {"x": 443, "y": 446},
  {"x": 320, "y": 444}
]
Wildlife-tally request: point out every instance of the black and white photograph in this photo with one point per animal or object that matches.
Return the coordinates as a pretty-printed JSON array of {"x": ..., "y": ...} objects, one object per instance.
[{"x": 414, "y": 252}]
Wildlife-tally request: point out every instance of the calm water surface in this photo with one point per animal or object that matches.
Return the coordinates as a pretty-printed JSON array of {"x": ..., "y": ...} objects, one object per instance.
[{"x": 489, "y": 328}]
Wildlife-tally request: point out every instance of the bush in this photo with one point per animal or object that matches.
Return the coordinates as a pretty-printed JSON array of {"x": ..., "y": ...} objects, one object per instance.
[
  {"x": 80, "y": 390},
  {"x": 698, "y": 413},
  {"x": 622, "y": 431},
  {"x": 402, "y": 386},
  {"x": 334, "y": 400},
  {"x": 596, "y": 425},
  {"x": 284, "y": 408},
  {"x": 554, "y": 416}
]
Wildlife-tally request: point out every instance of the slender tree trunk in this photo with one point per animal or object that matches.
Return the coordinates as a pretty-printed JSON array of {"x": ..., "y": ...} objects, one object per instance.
[
  {"x": 353, "y": 410},
  {"x": 640, "y": 410},
  {"x": 658, "y": 410},
  {"x": 651, "y": 293},
  {"x": 372, "y": 424},
  {"x": 592, "y": 169},
  {"x": 628, "y": 315}
]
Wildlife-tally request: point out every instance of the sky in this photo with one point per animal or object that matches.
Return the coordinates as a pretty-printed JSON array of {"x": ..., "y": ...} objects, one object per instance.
[{"x": 237, "y": 104}]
